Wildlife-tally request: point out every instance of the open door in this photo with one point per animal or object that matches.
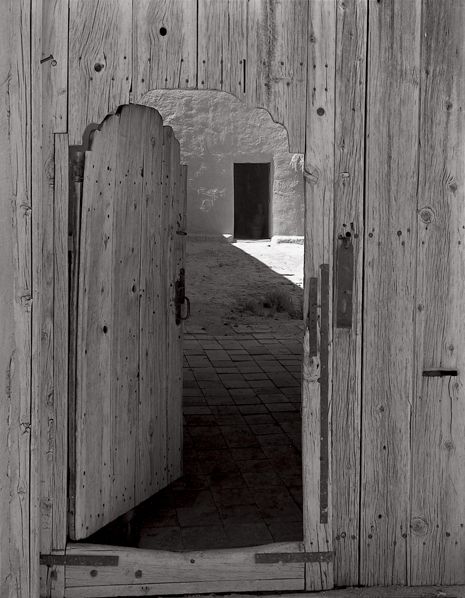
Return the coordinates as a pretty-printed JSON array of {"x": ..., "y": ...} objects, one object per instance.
[{"x": 127, "y": 418}]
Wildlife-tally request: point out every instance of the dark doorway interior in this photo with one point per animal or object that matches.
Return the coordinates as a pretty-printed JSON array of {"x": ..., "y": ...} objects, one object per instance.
[{"x": 251, "y": 201}]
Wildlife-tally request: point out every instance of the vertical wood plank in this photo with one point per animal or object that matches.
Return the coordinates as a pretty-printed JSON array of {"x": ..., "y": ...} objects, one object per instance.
[
  {"x": 125, "y": 305},
  {"x": 174, "y": 416},
  {"x": 49, "y": 22},
  {"x": 94, "y": 473},
  {"x": 389, "y": 288},
  {"x": 55, "y": 50},
  {"x": 222, "y": 45},
  {"x": 165, "y": 45},
  {"x": 349, "y": 234},
  {"x": 17, "y": 571},
  {"x": 100, "y": 61},
  {"x": 317, "y": 366},
  {"x": 58, "y": 483},
  {"x": 165, "y": 291},
  {"x": 277, "y": 63},
  {"x": 438, "y": 421},
  {"x": 151, "y": 460}
]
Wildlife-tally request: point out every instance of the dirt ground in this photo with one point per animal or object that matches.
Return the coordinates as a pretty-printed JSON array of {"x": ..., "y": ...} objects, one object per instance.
[{"x": 249, "y": 283}]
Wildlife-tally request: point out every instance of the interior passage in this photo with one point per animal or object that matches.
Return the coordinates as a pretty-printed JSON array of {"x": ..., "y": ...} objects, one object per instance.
[
  {"x": 242, "y": 471},
  {"x": 242, "y": 483}
]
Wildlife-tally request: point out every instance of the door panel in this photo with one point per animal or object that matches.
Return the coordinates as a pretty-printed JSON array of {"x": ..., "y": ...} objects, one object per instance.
[
  {"x": 128, "y": 391},
  {"x": 251, "y": 201}
]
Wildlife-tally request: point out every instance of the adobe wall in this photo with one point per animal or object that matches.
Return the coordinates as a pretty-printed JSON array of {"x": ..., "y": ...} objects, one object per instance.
[{"x": 215, "y": 130}]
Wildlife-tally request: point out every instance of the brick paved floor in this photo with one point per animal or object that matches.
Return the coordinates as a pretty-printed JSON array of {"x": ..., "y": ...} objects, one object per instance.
[
  {"x": 242, "y": 447},
  {"x": 242, "y": 437}
]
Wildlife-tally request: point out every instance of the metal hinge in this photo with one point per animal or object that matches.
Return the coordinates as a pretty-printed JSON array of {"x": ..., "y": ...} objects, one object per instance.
[
  {"x": 79, "y": 560},
  {"x": 267, "y": 558}
]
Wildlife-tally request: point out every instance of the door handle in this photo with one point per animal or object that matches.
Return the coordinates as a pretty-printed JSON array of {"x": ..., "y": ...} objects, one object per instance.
[
  {"x": 188, "y": 309},
  {"x": 180, "y": 298}
]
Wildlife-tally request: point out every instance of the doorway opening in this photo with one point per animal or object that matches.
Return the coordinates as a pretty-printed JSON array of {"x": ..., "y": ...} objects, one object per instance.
[
  {"x": 251, "y": 201},
  {"x": 242, "y": 467}
]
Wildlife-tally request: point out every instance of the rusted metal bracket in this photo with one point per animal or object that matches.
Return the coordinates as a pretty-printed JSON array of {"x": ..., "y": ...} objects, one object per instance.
[
  {"x": 344, "y": 281},
  {"x": 324, "y": 394},
  {"x": 79, "y": 560},
  {"x": 180, "y": 298},
  {"x": 439, "y": 372},
  {"x": 313, "y": 316},
  {"x": 267, "y": 558}
]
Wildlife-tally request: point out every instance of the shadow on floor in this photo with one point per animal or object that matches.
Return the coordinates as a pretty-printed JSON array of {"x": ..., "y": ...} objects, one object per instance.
[{"x": 242, "y": 482}]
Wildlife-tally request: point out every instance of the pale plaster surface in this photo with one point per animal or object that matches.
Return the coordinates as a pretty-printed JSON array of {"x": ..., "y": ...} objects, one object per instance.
[{"x": 215, "y": 130}]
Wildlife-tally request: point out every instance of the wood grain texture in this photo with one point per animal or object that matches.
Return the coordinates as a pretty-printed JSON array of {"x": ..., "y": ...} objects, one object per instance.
[
  {"x": 164, "y": 61},
  {"x": 349, "y": 229},
  {"x": 319, "y": 208},
  {"x": 389, "y": 288},
  {"x": 124, "y": 323},
  {"x": 49, "y": 22},
  {"x": 93, "y": 430},
  {"x": 222, "y": 45},
  {"x": 55, "y": 69},
  {"x": 438, "y": 413},
  {"x": 50, "y": 26},
  {"x": 128, "y": 390},
  {"x": 100, "y": 61},
  {"x": 277, "y": 63},
  {"x": 58, "y": 483},
  {"x": 76, "y": 167},
  {"x": 151, "y": 458},
  {"x": 174, "y": 415},
  {"x": 17, "y": 572},
  {"x": 174, "y": 572}
]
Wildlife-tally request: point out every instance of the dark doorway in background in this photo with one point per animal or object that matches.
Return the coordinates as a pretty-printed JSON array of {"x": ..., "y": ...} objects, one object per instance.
[{"x": 251, "y": 201}]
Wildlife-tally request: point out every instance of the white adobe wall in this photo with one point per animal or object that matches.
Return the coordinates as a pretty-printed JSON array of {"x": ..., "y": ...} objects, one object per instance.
[{"x": 215, "y": 129}]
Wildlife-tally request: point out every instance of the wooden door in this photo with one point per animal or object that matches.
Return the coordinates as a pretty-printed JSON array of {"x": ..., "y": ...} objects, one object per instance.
[
  {"x": 128, "y": 412},
  {"x": 251, "y": 201}
]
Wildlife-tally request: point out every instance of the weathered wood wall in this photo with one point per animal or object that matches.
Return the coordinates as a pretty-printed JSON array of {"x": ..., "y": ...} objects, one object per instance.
[
  {"x": 18, "y": 529},
  {"x": 255, "y": 50},
  {"x": 386, "y": 152}
]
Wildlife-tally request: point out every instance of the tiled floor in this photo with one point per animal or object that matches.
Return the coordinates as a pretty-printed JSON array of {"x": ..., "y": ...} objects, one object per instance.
[{"x": 242, "y": 459}]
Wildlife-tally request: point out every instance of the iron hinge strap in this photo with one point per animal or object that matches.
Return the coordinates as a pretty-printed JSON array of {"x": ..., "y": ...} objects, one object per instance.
[
  {"x": 79, "y": 560},
  {"x": 293, "y": 557}
]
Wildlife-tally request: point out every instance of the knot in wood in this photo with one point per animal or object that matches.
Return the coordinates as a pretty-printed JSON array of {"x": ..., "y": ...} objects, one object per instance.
[
  {"x": 99, "y": 66},
  {"x": 419, "y": 526},
  {"x": 427, "y": 215}
]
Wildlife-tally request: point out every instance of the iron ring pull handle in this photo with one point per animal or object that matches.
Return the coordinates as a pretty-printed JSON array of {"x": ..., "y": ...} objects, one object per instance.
[{"x": 188, "y": 310}]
